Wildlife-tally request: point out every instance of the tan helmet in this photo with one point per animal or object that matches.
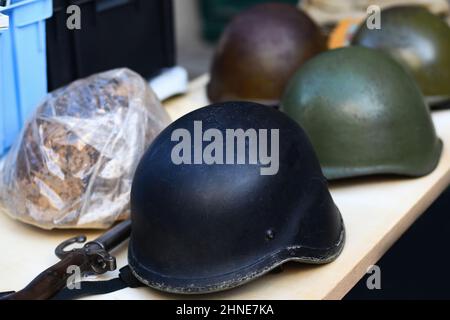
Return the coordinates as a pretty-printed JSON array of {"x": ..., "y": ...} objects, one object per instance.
[{"x": 260, "y": 50}]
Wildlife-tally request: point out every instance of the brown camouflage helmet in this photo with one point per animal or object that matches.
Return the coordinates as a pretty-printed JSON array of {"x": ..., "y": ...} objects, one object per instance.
[{"x": 260, "y": 50}]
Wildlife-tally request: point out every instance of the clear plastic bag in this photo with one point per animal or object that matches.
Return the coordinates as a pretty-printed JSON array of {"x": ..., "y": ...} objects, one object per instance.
[{"x": 74, "y": 162}]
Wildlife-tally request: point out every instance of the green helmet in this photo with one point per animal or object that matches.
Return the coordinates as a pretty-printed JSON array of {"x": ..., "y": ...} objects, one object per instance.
[
  {"x": 364, "y": 115},
  {"x": 417, "y": 39},
  {"x": 260, "y": 51}
]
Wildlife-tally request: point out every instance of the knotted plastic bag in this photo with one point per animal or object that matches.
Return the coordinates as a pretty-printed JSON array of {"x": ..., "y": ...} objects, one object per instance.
[{"x": 73, "y": 165}]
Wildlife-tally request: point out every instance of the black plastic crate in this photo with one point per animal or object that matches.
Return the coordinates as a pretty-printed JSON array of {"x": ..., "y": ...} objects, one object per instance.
[{"x": 137, "y": 34}]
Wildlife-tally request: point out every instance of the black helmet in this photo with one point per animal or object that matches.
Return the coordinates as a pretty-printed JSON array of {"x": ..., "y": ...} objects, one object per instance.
[{"x": 199, "y": 227}]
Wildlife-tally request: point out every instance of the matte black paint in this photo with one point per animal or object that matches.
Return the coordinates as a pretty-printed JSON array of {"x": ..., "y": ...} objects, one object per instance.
[{"x": 204, "y": 228}]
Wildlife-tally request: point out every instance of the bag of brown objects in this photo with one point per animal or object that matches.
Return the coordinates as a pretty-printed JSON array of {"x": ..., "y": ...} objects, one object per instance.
[{"x": 73, "y": 165}]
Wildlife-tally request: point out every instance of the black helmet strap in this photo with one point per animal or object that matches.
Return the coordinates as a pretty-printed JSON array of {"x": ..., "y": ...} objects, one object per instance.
[{"x": 126, "y": 279}]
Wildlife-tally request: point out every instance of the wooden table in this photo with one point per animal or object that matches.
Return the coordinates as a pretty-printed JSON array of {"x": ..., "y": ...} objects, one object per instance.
[{"x": 376, "y": 212}]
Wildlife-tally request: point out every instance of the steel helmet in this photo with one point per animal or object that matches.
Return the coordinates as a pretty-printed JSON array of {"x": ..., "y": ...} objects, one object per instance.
[
  {"x": 260, "y": 50},
  {"x": 364, "y": 115},
  {"x": 417, "y": 39},
  {"x": 200, "y": 227}
]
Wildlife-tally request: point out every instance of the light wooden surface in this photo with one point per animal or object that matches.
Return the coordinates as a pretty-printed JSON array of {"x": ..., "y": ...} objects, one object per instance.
[{"x": 376, "y": 212}]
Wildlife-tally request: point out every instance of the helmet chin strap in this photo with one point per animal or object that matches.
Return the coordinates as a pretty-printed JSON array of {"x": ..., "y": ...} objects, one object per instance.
[{"x": 126, "y": 279}]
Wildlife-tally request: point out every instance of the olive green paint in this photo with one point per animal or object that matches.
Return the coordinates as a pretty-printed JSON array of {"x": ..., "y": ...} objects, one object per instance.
[
  {"x": 364, "y": 115},
  {"x": 417, "y": 39}
]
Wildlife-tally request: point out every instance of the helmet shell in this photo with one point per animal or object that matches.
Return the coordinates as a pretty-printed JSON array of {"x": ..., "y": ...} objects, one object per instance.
[
  {"x": 260, "y": 50},
  {"x": 199, "y": 228},
  {"x": 364, "y": 115},
  {"x": 417, "y": 39}
]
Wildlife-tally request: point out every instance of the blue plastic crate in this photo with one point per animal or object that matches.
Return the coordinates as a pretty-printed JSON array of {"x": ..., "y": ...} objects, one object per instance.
[{"x": 23, "y": 66}]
